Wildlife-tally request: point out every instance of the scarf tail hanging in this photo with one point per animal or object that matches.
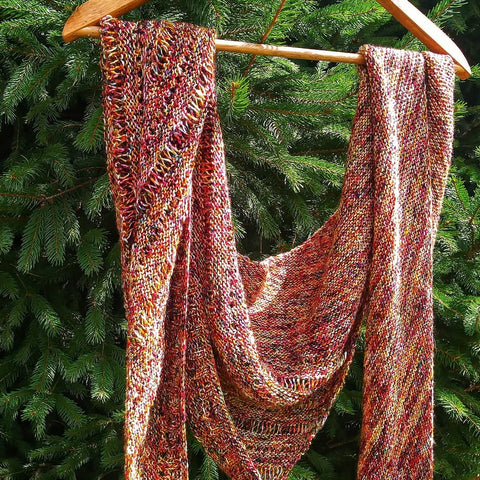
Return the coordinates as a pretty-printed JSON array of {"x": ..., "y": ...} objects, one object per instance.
[
  {"x": 412, "y": 118},
  {"x": 253, "y": 354},
  {"x": 150, "y": 175}
]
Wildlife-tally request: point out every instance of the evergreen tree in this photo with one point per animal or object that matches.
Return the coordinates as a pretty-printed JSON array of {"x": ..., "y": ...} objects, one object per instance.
[{"x": 286, "y": 126}]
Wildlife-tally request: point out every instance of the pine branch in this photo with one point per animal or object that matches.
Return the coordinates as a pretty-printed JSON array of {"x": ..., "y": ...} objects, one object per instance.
[{"x": 264, "y": 36}]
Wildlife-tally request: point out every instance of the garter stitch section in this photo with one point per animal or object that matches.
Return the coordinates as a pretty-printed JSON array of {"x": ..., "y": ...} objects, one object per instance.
[{"x": 253, "y": 353}]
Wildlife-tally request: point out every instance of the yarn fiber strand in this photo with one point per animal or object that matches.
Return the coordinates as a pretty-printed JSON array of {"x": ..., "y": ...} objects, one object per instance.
[{"x": 252, "y": 354}]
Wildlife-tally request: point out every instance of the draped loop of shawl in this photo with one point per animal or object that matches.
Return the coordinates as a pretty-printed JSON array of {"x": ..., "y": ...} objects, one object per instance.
[{"x": 252, "y": 354}]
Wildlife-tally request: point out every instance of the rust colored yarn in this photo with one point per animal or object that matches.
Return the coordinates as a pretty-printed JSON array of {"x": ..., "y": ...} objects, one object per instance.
[{"x": 253, "y": 353}]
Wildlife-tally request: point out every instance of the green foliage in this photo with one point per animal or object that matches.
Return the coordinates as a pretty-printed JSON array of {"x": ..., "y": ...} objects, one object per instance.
[
  {"x": 208, "y": 470},
  {"x": 457, "y": 316},
  {"x": 89, "y": 253},
  {"x": 90, "y": 137},
  {"x": 286, "y": 126}
]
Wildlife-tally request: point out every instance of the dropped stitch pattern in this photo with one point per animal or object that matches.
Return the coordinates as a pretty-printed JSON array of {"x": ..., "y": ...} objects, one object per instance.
[{"x": 253, "y": 353}]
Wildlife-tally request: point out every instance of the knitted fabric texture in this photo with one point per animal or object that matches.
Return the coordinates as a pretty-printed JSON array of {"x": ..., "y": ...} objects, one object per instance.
[{"x": 252, "y": 354}]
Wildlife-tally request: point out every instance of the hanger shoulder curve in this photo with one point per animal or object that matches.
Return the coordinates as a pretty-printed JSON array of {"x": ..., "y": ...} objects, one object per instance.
[
  {"x": 90, "y": 13},
  {"x": 427, "y": 32}
]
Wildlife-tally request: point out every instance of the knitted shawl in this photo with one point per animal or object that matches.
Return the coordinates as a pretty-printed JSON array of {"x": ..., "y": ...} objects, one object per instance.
[{"x": 252, "y": 354}]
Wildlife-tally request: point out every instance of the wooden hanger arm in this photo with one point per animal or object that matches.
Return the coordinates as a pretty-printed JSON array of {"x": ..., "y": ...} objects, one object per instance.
[
  {"x": 427, "y": 32},
  {"x": 84, "y": 19},
  {"x": 90, "y": 13}
]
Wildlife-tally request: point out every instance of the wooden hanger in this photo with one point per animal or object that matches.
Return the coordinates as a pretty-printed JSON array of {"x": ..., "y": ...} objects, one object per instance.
[{"x": 84, "y": 20}]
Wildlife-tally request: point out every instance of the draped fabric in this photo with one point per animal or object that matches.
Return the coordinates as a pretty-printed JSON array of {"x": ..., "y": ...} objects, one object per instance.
[{"x": 252, "y": 354}]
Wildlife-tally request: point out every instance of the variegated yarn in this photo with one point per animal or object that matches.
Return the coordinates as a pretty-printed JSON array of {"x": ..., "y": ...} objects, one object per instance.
[{"x": 253, "y": 353}]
